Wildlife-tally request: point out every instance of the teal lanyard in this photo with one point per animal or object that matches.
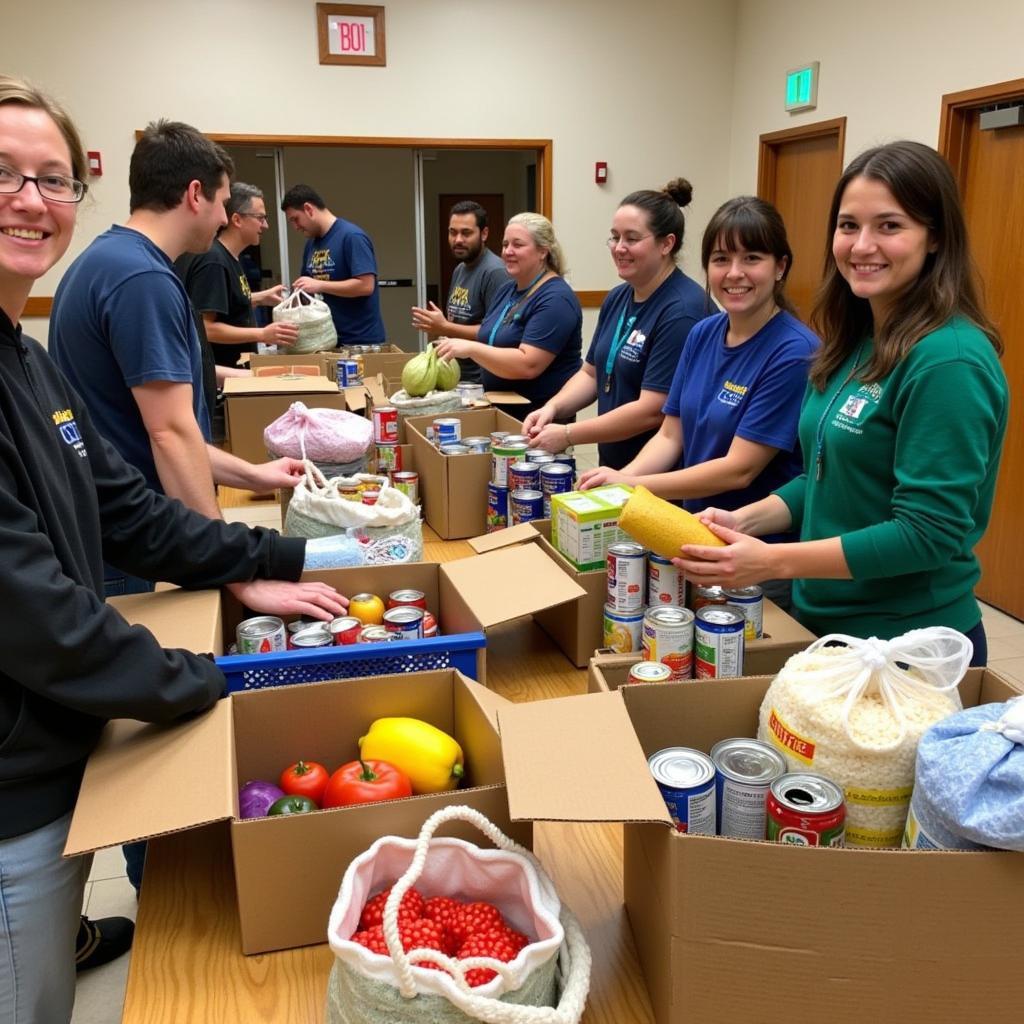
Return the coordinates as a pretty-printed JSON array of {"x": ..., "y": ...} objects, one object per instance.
[
  {"x": 623, "y": 330},
  {"x": 516, "y": 298}
]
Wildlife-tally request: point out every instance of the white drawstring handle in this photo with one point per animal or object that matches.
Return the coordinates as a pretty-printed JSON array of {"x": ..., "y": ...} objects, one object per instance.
[
  {"x": 938, "y": 656},
  {"x": 297, "y": 299},
  {"x": 1011, "y": 724}
]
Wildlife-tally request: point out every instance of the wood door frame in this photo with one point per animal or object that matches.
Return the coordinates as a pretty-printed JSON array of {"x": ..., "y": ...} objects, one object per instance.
[
  {"x": 767, "y": 156},
  {"x": 954, "y": 117}
]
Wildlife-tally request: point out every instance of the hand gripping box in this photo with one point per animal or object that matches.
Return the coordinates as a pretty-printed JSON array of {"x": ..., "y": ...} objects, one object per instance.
[
  {"x": 144, "y": 781},
  {"x": 732, "y": 931}
]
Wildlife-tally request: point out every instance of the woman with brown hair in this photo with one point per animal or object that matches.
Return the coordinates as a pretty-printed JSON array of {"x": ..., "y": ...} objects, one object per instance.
[{"x": 902, "y": 426}]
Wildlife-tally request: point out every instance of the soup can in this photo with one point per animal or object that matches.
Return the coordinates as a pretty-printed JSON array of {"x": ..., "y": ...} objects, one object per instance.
[
  {"x": 447, "y": 430},
  {"x": 668, "y": 638},
  {"x": 504, "y": 454},
  {"x": 429, "y": 625},
  {"x": 524, "y": 476},
  {"x": 686, "y": 779},
  {"x": 345, "y": 630},
  {"x": 375, "y": 635},
  {"x": 404, "y": 622},
  {"x": 524, "y": 506},
  {"x": 746, "y": 768},
  {"x": 497, "y": 436},
  {"x": 719, "y": 642},
  {"x": 750, "y": 602},
  {"x": 389, "y": 458},
  {"x": 478, "y": 445},
  {"x": 538, "y": 456},
  {"x": 649, "y": 672},
  {"x": 623, "y": 631},
  {"x": 407, "y": 599},
  {"x": 555, "y": 478},
  {"x": 804, "y": 809},
  {"x": 312, "y": 636},
  {"x": 566, "y": 459},
  {"x": 666, "y": 583},
  {"x": 385, "y": 424},
  {"x": 370, "y": 496},
  {"x": 497, "y": 507},
  {"x": 264, "y": 634},
  {"x": 408, "y": 483},
  {"x": 627, "y": 571},
  {"x": 349, "y": 373},
  {"x": 454, "y": 448},
  {"x": 701, "y": 596}
]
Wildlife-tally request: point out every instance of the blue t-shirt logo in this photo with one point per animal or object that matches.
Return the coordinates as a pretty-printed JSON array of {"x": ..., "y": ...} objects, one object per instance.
[{"x": 732, "y": 394}]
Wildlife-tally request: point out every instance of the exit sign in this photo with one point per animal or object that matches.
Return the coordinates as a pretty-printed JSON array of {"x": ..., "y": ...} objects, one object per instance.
[{"x": 802, "y": 88}]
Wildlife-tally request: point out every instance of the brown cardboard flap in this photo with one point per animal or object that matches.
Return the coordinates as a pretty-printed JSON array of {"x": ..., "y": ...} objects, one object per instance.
[
  {"x": 505, "y": 585},
  {"x": 505, "y": 398},
  {"x": 506, "y": 538},
  {"x": 189, "y": 619},
  {"x": 577, "y": 759},
  {"x": 356, "y": 398},
  {"x": 375, "y": 389},
  {"x": 146, "y": 780},
  {"x": 278, "y": 386},
  {"x": 490, "y": 703}
]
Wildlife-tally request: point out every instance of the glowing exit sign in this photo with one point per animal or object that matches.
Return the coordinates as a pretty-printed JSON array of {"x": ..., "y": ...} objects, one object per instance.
[{"x": 802, "y": 87}]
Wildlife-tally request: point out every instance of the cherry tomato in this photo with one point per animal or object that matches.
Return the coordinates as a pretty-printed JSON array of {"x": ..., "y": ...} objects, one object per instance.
[
  {"x": 361, "y": 782},
  {"x": 304, "y": 778}
]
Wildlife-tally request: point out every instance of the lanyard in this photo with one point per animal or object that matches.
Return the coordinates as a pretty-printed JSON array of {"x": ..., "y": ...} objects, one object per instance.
[
  {"x": 819, "y": 447},
  {"x": 623, "y": 331},
  {"x": 516, "y": 299}
]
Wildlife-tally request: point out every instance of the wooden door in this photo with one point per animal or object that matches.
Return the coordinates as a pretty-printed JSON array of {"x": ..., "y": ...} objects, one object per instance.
[
  {"x": 989, "y": 166},
  {"x": 495, "y": 207},
  {"x": 797, "y": 171}
]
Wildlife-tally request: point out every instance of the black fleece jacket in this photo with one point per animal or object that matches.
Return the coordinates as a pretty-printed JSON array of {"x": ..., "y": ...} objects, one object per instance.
[{"x": 69, "y": 662}]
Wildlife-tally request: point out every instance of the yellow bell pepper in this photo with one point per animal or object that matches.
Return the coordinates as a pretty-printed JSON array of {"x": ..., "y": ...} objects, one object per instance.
[{"x": 430, "y": 757}]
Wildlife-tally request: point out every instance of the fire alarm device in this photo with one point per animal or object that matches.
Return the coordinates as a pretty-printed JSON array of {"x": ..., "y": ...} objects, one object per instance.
[
  {"x": 95, "y": 163},
  {"x": 601, "y": 173}
]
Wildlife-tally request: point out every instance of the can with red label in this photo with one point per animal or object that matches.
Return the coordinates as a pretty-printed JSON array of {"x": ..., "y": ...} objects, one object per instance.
[
  {"x": 370, "y": 496},
  {"x": 375, "y": 635},
  {"x": 264, "y": 634},
  {"x": 389, "y": 458},
  {"x": 385, "y": 424},
  {"x": 718, "y": 640},
  {"x": 429, "y": 625},
  {"x": 407, "y": 599},
  {"x": 668, "y": 638},
  {"x": 666, "y": 583},
  {"x": 404, "y": 622},
  {"x": 345, "y": 630},
  {"x": 806, "y": 810},
  {"x": 701, "y": 596},
  {"x": 649, "y": 672},
  {"x": 408, "y": 483},
  {"x": 627, "y": 572}
]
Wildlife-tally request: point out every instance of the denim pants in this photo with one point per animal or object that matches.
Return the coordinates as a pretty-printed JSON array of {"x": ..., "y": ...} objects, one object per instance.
[{"x": 40, "y": 904}]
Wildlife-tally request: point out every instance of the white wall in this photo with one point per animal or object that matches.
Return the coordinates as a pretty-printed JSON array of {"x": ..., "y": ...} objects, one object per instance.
[{"x": 885, "y": 66}]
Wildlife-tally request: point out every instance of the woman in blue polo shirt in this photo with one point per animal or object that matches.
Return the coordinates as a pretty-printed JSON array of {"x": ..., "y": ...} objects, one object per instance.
[
  {"x": 640, "y": 333},
  {"x": 530, "y": 339}
]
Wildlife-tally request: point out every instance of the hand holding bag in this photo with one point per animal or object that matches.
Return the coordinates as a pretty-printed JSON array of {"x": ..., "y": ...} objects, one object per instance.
[{"x": 313, "y": 318}]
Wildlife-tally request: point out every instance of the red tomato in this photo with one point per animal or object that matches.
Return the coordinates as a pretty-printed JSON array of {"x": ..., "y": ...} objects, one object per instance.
[
  {"x": 362, "y": 782},
  {"x": 304, "y": 778}
]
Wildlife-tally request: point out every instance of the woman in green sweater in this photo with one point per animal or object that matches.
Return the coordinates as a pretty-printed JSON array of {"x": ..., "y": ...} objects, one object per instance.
[{"x": 902, "y": 424}]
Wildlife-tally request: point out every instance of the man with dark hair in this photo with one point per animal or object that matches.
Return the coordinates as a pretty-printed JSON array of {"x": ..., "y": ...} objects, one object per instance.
[
  {"x": 339, "y": 263},
  {"x": 479, "y": 276}
]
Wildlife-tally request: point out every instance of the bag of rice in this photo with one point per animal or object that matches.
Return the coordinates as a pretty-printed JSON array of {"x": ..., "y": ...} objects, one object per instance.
[{"x": 855, "y": 713}]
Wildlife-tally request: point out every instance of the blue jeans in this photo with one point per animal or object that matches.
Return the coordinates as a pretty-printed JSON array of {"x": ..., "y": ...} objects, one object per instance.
[
  {"x": 40, "y": 904},
  {"x": 980, "y": 641}
]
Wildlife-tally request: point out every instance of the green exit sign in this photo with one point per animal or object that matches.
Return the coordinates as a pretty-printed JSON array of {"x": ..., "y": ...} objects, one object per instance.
[{"x": 802, "y": 88}]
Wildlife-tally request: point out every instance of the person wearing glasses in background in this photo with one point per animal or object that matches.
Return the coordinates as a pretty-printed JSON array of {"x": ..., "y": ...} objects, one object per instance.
[{"x": 640, "y": 333}]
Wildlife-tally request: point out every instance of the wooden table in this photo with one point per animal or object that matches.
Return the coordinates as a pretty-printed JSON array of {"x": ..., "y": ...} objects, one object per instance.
[{"x": 186, "y": 963}]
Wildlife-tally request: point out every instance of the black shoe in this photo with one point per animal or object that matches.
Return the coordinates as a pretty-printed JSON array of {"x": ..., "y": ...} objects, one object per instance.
[{"x": 101, "y": 941}]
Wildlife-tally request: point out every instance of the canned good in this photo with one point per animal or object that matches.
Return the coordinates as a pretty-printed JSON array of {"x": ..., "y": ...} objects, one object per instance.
[
  {"x": 538, "y": 455},
  {"x": 480, "y": 445},
  {"x": 623, "y": 631},
  {"x": 497, "y": 507},
  {"x": 370, "y": 496},
  {"x": 469, "y": 393},
  {"x": 447, "y": 430},
  {"x": 746, "y": 768},
  {"x": 407, "y": 599},
  {"x": 350, "y": 492},
  {"x": 498, "y": 436},
  {"x": 389, "y": 458},
  {"x": 429, "y": 625},
  {"x": 701, "y": 596},
  {"x": 349, "y": 373},
  {"x": 375, "y": 635},
  {"x": 517, "y": 439},
  {"x": 264, "y": 634},
  {"x": 454, "y": 448},
  {"x": 313, "y": 636},
  {"x": 566, "y": 459},
  {"x": 666, "y": 583},
  {"x": 404, "y": 622},
  {"x": 555, "y": 478},
  {"x": 504, "y": 454},
  {"x": 300, "y": 624},
  {"x": 719, "y": 642},
  {"x": 524, "y": 506},
  {"x": 408, "y": 483},
  {"x": 523, "y": 476},
  {"x": 686, "y": 779},
  {"x": 627, "y": 569},
  {"x": 385, "y": 424},
  {"x": 649, "y": 672},
  {"x": 345, "y": 630},
  {"x": 806, "y": 810},
  {"x": 367, "y": 608},
  {"x": 750, "y": 602},
  {"x": 668, "y": 638}
]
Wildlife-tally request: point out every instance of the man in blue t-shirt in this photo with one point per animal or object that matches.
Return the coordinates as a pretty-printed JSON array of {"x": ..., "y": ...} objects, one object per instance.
[{"x": 339, "y": 264}]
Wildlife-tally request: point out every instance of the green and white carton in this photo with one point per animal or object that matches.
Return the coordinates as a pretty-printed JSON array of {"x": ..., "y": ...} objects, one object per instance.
[{"x": 585, "y": 523}]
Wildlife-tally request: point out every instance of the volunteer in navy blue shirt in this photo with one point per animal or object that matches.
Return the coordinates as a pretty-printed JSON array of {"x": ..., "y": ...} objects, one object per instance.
[
  {"x": 640, "y": 333},
  {"x": 729, "y": 436},
  {"x": 531, "y": 338}
]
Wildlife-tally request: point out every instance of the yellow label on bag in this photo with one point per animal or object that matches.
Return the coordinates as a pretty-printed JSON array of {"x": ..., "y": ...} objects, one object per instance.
[
  {"x": 878, "y": 797},
  {"x": 788, "y": 741},
  {"x": 872, "y": 838}
]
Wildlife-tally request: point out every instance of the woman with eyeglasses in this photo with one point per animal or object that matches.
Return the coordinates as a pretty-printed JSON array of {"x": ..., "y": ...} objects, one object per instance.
[
  {"x": 729, "y": 435},
  {"x": 530, "y": 340},
  {"x": 640, "y": 333}
]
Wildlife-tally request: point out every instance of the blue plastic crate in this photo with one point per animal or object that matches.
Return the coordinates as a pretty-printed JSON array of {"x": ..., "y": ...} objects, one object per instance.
[{"x": 257, "y": 671}]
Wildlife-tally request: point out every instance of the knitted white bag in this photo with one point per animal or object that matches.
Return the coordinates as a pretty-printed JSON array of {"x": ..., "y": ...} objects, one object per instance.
[
  {"x": 313, "y": 318},
  {"x": 547, "y": 983}
]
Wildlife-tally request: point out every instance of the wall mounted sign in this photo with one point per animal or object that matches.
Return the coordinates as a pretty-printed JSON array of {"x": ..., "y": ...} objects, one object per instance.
[{"x": 351, "y": 34}]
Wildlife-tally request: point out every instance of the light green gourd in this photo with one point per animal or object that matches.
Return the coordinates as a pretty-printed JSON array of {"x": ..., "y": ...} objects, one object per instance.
[{"x": 419, "y": 376}]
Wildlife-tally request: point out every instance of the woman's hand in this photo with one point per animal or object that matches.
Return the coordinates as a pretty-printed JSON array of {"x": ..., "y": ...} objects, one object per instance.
[
  {"x": 743, "y": 561},
  {"x": 429, "y": 319},
  {"x": 448, "y": 348},
  {"x": 720, "y": 516},
  {"x": 553, "y": 438},
  {"x": 604, "y": 475},
  {"x": 537, "y": 420}
]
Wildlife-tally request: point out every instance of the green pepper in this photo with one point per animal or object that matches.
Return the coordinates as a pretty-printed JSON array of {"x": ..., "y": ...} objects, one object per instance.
[{"x": 293, "y": 805}]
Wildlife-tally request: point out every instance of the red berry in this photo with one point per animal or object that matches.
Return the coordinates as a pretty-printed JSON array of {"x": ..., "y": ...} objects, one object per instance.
[
  {"x": 499, "y": 943},
  {"x": 415, "y": 934},
  {"x": 474, "y": 917},
  {"x": 411, "y": 907}
]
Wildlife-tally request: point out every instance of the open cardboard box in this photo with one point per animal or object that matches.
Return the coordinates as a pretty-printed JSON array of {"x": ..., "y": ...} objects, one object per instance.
[
  {"x": 580, "y": 633},
  {"x": 734, "y": 931},
  {"x": 147, "y": 780},
  {"x": 453, "y": 488}
]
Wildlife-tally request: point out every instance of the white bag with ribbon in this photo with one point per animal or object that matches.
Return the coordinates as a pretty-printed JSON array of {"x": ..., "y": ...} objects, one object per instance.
[
  {"x": 856, "y": 712},
  {"x": 546, "y": 983},
  {"x": 313, "y": 318}
]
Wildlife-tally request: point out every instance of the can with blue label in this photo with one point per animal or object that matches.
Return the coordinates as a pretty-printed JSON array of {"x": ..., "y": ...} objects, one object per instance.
[
  {"x": 718, "y": 641},
  {"x": 566, "y": 459},
  {"x": 555, "y": 478},
  {"x": 746, "y": 769},
  {"x": 686, "y": 779},
  {"x": 538, "y": 456},
  {"x": 525, "y": 506},
  {"x": 523, "y": 476},
  {"x": 349, "y": 373},
  {"x": 447, "y": 431},
  {"x": 497, "y": 507}
]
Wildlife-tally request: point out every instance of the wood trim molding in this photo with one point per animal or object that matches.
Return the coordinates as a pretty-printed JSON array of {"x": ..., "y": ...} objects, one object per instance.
[
  {"x": 953, "y": 118},
  {"x": 591, "y": 300},
  {"x": 38, "y": 305},
  {"x": 767, "y": 146}
]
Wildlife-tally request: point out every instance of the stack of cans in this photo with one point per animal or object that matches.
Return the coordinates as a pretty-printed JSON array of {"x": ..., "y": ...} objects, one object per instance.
[
  {"x": 385, "y": 436},
  {"x": 506, "y": 450}
]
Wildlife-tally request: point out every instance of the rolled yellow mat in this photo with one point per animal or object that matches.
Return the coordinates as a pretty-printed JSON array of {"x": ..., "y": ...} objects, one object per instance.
[{"x": 661, "y": 526}]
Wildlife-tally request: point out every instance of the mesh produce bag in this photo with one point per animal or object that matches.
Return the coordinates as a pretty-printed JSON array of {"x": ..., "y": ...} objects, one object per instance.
[
  {"x": 855, "y": 713},
  {"x": 326, "y": 436},
  {"x": 313, "y": 319},
  {"x": 546, "y": 983}
]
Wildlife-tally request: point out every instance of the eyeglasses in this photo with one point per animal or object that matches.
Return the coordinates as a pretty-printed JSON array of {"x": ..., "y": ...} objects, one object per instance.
[
  {"x": 56, "y": 187},
  {"x": 261, "y": 217},
  {"x": 629, "y": 241}
]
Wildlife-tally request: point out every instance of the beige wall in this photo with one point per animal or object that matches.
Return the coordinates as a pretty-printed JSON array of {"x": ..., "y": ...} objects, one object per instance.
[{"x": 884, "y": 66}]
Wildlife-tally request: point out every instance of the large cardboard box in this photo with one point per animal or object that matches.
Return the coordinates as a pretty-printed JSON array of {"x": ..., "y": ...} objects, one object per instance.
[
  {"x": 453, "y": 488},
  {"x": 389, "y": 361},
  {"x": 146, "y": 780},
  {"x": 734, "y": 931}
]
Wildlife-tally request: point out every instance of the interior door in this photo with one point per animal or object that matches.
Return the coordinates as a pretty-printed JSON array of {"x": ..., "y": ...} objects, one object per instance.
[
  {"x": 990, "y": 168},
  {"x": 494, "y": 204},
  {"x": 797, "y": 171}
]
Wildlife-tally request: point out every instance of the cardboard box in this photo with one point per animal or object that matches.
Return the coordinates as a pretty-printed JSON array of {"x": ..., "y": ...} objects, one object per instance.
[
  {"x": 584, "y": 524},
  {"x": 277, "y": 366},
  {"x": 734, "y": 931},
  {"x": 146, "y": 780},
  {"x": 389, "y": 362},
  {"x": 453, "y": 488}
]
